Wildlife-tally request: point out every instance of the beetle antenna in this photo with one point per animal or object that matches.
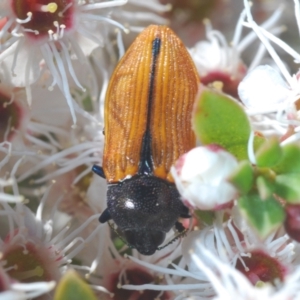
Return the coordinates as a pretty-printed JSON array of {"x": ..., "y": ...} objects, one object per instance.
[
  {"x": 105, "y": 216},
  {"x": 98, "y": 170},
  {"x": 178, "y": 236}
]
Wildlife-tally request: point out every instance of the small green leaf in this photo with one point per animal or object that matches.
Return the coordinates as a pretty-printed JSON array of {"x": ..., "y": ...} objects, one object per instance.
[
  {"x": 242, "y": 178},
  {"x": 207, "y": 217},
  {"x": 264, "y": 215},
  {"x": 217, "y": 119},
  {"x": 287, "y": 186},
  {"x": 265, "y": 187},
  {"x": 71, "y": 286},
  {"x": 269, "y": 154},
  {"x": 290, "y": 161}
]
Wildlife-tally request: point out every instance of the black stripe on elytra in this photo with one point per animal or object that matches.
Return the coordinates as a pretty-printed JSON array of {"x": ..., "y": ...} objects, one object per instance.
[{"x": 146, "y": 164}]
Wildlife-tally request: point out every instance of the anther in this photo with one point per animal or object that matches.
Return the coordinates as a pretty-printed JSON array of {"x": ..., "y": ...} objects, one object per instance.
[{"x": 50, "y": 7}]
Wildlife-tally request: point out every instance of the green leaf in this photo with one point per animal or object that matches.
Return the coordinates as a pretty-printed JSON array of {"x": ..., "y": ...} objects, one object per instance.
[
  {"x": 287, "y": 186},
  {"x": 242, "y": 178},
  {"x": 290, "y": 161},
  {"x": 265, "y": 187},
  {"x": 207, "y": 217},
  {"x": 71, "y": 286},
  {"x": 269, "y": 154},
  {"x": 264, "y": 215},
  {"x": 217, "y": 119}
]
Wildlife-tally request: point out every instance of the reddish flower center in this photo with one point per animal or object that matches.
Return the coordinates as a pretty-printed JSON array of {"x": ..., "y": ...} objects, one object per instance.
[
  {"x": 10, "y": 117},
  {"x": 261, "y": 267},
  {"x": 135, "y": 276},
  {"x": 230, "y": 84},
  {"x": 44, "y": 17},
  {"x": 25, "y": 264}
]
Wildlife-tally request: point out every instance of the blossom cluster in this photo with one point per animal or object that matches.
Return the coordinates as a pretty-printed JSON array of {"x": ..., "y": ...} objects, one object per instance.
[{"x": 241, "y": 184}]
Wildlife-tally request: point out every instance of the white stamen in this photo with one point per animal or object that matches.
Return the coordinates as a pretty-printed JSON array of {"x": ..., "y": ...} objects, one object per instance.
[
  {"x": 34, "y": 289},
  {"x": 74, "y": 234},
  {"x": 268, "y": 46},
  {"x": 39, "y": 142},
  {"x": 28, "y": 19},
  {"x": 144, "y": 17},
  {"x": 81, "y": 175},
  {"x": 16, "y": 53},
  {"x": 120, "y": 44},
  {"x": 35, "y": 127},
  {"x": 101, "y": 18},
  {"x": 39, "y": 211},
  {"x": 103, "y": 5},
  {"x": 36, "y": 32},
  {"x": 101, "y": 289},
  {"x": 50, "y": 33},
  {"x": 61, "y": 13},
  {"x": 11, "y": 198},
  {"x": 70, "y": 66},
  {"x": 93, "y": 38},
  {"x": 64, "y": 79},
  {"x": 60, "y": 155},
  {"x": 238, "y": 29},
  {"x": 68, "y": 168},
  {"x": 155, "y": 6},
  {"x": 62, "y": 30}
]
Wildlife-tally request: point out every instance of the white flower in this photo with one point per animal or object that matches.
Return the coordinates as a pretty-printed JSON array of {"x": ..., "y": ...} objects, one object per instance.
[
  {"x": 238, "y": 245},
  {"x": 218, "y": 60},
  {"x": 201, "y": 177},
  {"x": 38, "y": 37},
  {"x": 272, "y": 97}
]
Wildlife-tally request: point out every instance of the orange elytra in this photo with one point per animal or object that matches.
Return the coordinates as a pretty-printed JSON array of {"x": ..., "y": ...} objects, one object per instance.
[{"x": 148, "y": 109}]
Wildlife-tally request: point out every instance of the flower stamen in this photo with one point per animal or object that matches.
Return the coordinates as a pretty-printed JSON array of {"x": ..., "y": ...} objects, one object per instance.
[{"x": 28, "y": 19}]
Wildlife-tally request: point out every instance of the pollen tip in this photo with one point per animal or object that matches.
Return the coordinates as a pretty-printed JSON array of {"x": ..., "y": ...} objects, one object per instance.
[
  {"x": 169, "y": 6},
  {"x": 206, "y": 21},
  {"x": 52, "y": 7}
]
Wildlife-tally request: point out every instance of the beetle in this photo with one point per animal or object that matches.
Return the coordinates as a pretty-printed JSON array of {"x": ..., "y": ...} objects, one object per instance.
[{"x": 147, "y": 121}]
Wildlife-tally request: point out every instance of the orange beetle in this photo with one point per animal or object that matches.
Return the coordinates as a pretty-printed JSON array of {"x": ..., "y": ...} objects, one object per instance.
[{"x": 148, "y": 110}]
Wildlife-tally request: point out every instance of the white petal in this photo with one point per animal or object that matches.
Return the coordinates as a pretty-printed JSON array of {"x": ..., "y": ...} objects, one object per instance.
[{"x": 262, "y": 88}]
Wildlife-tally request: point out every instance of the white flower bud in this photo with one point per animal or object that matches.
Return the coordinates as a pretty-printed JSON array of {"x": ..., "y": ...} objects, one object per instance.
[{"x": 201, "y": 177}]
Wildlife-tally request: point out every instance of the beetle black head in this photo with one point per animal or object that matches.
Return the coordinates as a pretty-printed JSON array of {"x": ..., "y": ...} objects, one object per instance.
[
  {"x": 145, "y": 208},
  {"x": 144, "y": 240}
]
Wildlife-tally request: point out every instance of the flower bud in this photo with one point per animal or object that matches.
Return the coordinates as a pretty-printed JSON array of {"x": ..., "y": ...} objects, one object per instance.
[{"x": 201, "y": 177}]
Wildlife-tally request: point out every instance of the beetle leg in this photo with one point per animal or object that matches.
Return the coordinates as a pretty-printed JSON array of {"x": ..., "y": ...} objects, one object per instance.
[
  {"x": 105, "y": 216},
  {"x": 184, "y": 212},
  {"x": 98, "y": 170},
  {"x": 185, "y": 215},
  {"x": 179, "y": 227}
]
